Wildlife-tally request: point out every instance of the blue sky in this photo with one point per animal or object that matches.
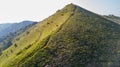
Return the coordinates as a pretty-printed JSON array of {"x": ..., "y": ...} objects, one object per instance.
[
  {"x": 102, "y": 6},
  {"x": 37, "y": 10}
]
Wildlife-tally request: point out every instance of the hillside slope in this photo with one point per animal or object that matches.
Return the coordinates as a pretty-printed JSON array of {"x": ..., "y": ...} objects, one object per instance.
[
  {"x": 9, "y": 31},
  {"x": 13, "y": 27},
  {"x": 72, "y": 37},
  {"x": 28, "y": 42},
  {"x": 3, "y": 26},
  {"x": 113, "y": 18}
]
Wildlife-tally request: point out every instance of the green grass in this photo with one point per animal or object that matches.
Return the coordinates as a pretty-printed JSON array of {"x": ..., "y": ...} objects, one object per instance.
[
  {"x": 72, "y": 37},
  {"x": 84, "y": 39},
  {"x": 35, "y": 36}
]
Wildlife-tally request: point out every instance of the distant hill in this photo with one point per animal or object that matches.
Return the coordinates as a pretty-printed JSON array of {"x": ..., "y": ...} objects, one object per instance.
[
  {"x": 10, "y": 30},
  {"x": 13, "y": 27},
  {"x": 113, "y": 18},
  {"x": 72, "y": 37},
  {"x": 3, "y": 26}
]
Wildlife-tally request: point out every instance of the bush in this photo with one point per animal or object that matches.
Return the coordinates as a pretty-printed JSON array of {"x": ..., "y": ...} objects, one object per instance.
[
  {"x": 19, "y": 53},
  {"x": 62, "y": 14},
  {"x": 11, "y": 51},
  {"x": 27, "y": 32},
  {"x": 15, "y": 45},
  {"x": 28, "y": 46}
]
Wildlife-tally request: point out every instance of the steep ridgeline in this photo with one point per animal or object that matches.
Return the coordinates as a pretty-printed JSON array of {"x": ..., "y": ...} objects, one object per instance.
[
  {"x": 113, "y": 18},
  {"x": 11, "y": 30},
  {"x": 72, "y": 37}
]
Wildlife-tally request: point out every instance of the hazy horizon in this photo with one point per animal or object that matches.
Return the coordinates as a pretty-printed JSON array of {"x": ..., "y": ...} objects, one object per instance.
[{"x": 34, "y": 10}]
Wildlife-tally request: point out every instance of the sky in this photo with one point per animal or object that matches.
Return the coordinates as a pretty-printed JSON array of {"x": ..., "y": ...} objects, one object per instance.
[{"x": 12, "y": 11}]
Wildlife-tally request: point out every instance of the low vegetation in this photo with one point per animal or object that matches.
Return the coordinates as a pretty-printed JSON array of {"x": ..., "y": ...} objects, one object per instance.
[{"x": 72, "y": 37}]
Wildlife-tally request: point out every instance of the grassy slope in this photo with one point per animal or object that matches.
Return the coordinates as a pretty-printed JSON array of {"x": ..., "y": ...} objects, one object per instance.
[
  {"x": 28, "y": 42},
  {"x": 85, "y": 40},
  {"x": 73, "y": 37}
]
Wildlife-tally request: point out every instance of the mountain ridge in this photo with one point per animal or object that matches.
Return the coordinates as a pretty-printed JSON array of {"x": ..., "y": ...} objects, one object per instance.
[
  {"x": 72, "y": 37},
  {"x": 113, "y": 18}
]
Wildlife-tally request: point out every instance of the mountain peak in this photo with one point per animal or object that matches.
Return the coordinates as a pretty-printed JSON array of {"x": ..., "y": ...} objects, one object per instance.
[
  {"x": 71, "y": 4},
  {"x": 77, "y": 9},
  {"x": 72, "y": 37}
]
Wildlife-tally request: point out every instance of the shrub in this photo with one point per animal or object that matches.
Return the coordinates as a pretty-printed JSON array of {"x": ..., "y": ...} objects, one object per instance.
[
  {"x": 58, "y": 11},
  {"x": 15, "y": 45},
  {"x": 27, "y": 32},
  {"x": 48, "y": 23},
  {"x": 11, "y": 51},
  {"x": 19, "y": 53},
  {"x": 28, "y": 46},
  {"x": 62, "y": 14},
  {"x": 56, "y": 25}
]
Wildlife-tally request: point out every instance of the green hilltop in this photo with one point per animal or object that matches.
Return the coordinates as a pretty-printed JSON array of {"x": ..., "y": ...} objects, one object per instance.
[{"x": 72, "y": 37}]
